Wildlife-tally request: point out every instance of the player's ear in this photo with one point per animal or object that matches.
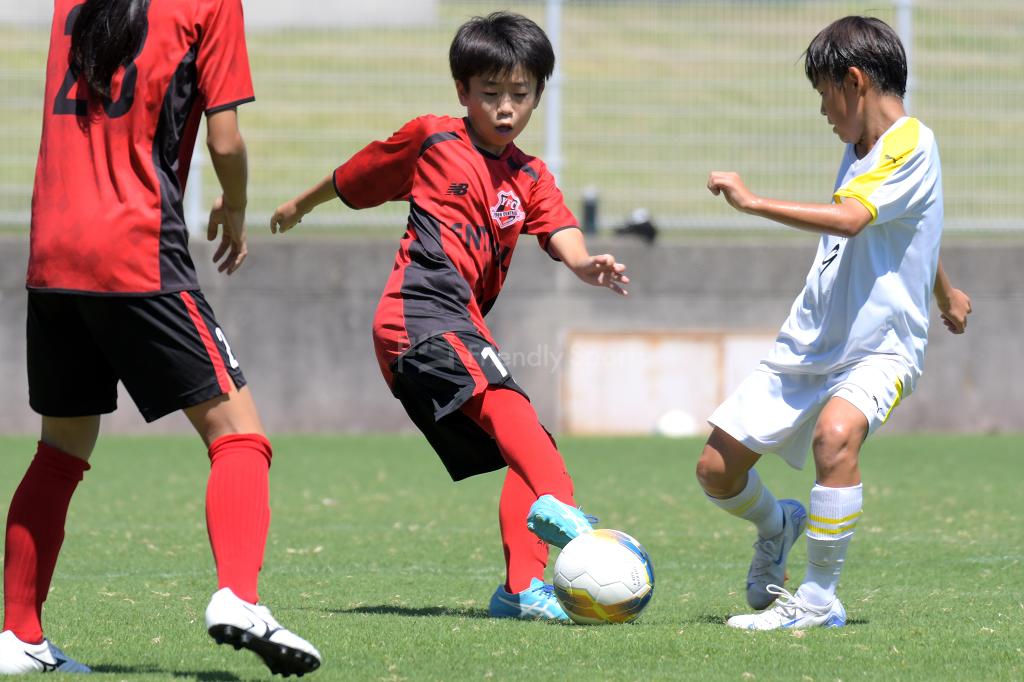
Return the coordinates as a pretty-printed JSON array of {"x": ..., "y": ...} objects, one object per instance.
[
  {"x": 462, "y": 89},
  {"x": 858, "y": 79}
]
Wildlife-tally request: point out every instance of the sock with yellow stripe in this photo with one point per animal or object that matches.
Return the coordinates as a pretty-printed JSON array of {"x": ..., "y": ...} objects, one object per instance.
[
  {"x": 756, "y": 504},
  {"x": 831, "y": 519}
]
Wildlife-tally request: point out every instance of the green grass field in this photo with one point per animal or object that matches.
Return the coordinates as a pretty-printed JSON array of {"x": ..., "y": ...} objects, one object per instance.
[{"x": 377, "y": 558}]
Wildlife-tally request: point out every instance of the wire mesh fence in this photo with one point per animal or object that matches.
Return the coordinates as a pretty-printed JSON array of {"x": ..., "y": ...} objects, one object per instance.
[{"x": 651, "y": 95}]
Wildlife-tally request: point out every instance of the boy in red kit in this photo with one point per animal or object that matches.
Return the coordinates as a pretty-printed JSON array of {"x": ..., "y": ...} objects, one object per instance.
[
  {"x": 472, "y": 193},
  {"x": 113, "y": 296}
]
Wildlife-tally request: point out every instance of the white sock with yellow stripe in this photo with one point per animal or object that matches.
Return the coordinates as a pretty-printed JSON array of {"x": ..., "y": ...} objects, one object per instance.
[
  {"x": 756, "y": 504},
  {"x": 831, "y": 519}
]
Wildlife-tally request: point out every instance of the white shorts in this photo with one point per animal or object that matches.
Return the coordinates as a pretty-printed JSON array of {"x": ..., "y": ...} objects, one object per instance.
[{"x": 771, "y": 411}]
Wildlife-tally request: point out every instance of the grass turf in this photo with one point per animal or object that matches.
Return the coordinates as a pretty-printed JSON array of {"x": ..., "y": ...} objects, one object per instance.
[{"x": 381, "y": 561}]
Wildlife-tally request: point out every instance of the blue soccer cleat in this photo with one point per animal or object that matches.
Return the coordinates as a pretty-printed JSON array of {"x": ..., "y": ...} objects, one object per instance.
[
  {"x": 556, "y": 523},
  {"x": 536, "y": 602},
  {"x": 768, "y": 566}
]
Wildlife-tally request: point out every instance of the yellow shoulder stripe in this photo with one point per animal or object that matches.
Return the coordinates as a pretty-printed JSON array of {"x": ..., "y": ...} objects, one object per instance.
[{"x": 896, "y": 149}]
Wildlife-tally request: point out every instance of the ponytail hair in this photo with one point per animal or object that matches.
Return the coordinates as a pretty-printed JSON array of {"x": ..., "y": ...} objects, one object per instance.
[{"x": 107, "y": 35}]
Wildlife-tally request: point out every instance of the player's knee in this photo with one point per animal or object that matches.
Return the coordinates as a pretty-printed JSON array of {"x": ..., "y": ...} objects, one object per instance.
[
  {"x": 713, "y": 475},
  {"x": 836, "y": 445}
]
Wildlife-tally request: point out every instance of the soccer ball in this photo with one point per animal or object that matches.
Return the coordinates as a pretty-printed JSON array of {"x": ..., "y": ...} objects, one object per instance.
[{"x": 604, "y": 577}]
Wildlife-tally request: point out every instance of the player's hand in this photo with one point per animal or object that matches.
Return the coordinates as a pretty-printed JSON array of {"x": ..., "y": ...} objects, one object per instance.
[
  {"x": 286, "y": 217},
  {"x": 232, "y": 248},
  {"x": 955, "y": 310},
  {"x": 730, "y": 185},
  {"x": 603, "y": 271}
]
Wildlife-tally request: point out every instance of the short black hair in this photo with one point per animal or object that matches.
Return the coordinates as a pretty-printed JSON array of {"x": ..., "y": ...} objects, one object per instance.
[
  {"x": 497, "y": 44},
  {"x": 868, "y": 43}
]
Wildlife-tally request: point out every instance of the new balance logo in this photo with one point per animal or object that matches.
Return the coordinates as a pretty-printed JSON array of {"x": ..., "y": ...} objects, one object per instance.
[{"x": 458, "y": 189}]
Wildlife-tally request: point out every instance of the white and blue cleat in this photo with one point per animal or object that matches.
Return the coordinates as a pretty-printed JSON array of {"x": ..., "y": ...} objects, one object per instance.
[
  {"x": 556, "y": 523},
  {"x": 536, "y": 602},
  {"x": 20, "y": 658},
  {"x": 768, "y": 567},
  {"x": 792, "y": 611}
]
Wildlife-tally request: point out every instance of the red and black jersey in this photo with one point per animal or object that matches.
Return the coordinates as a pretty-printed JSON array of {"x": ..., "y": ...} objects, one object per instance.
[
  {"x": 107, "y": 216},
  {"x": 467, "y": 210}
]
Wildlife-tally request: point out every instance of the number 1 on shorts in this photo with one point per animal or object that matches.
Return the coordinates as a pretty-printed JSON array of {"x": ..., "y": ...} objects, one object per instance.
[{"x": 489, "y": 354}]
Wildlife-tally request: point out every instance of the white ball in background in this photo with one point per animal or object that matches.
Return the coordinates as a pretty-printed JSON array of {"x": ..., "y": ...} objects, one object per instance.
[{"x": 676, "y": 423}]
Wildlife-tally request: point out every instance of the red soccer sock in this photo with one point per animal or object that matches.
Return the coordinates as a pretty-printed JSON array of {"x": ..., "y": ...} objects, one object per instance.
[
  {"x": 528, "y": 449},
  {"x": 238, "y": 510},
  {"x": 526, "y": 555},
  {"x": 35, "y": 532}
]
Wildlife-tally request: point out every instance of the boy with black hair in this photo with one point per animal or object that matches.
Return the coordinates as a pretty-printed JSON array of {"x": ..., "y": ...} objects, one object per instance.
[
  {"x": 853, "y": 346},
  {"x": 472, "y": 193}
]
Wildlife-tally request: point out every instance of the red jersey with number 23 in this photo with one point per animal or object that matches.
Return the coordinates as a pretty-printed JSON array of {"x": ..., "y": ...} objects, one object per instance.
[
  {"x": 107, "y": 214},
  {"x": 467, "y": 208}
]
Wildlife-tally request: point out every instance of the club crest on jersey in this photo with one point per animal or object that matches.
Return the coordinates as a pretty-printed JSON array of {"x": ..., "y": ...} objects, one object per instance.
[{"x": 508, "y": 211}]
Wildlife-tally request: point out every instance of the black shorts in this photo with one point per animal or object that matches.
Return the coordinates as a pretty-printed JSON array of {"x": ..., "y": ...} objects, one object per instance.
[
  {"x": 436, "y": 377},
  {"x": 167, "y": 349}
]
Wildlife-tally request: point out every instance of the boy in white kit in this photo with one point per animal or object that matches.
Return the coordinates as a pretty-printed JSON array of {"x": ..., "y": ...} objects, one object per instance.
[{"x": 853, "y": 345}]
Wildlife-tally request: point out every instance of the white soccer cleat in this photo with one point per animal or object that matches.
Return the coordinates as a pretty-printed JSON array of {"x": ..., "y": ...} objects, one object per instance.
[
  {"x": 791, "y": 611},
  {"x": 768, "y": 567},
  {"x": 229, "y": 620},
  {"x": 20, "y": 658}
]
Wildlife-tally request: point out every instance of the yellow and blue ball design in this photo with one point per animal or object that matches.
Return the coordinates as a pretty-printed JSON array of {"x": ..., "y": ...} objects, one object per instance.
[{"x": 604, "y": 577}]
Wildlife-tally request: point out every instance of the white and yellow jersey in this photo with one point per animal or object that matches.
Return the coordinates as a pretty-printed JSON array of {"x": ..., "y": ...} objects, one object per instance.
[{"x": 871, "y": 294}]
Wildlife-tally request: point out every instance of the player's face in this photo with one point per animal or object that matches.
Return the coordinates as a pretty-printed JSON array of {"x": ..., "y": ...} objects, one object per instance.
[
  {"x": 840, "y": 108},
  {"x": 499, "y": 106}
]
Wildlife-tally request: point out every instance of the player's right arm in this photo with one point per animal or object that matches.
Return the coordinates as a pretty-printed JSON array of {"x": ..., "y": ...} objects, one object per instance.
[
  {"x": 228, "y": 155},
  {"x": 843, "y": 219},
  {"x": 290, "y": 213},
  {"x": 382, "y": 171}
]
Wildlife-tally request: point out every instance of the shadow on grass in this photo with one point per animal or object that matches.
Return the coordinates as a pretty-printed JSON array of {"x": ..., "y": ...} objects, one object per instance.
[
  {"x": 423, "y": 612},
  {"x": 201, "y": 675}
]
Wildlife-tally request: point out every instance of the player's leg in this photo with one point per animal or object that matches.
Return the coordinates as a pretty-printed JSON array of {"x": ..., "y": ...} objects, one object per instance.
[
  {"x": 836, "y": 499},
  {"x": 726, "y": 472},
  {"x": 768, "y": 412},
  {"x": 508, "y": 417},
  {"x": 172, "y": 354},
  {"x": 857, "y": 402},
  {"x": 524, "y": 594},
  {"x": 68, "y": 377}
]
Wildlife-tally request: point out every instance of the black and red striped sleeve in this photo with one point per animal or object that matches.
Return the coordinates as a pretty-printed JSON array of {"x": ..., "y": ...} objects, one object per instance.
[
  {"x": 382, "y": 170},
  {"x": 222, "y": 62}
]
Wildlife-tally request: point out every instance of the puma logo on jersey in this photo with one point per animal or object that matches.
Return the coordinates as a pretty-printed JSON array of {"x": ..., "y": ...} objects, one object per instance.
[
  {"x": 827, "y": 261},
  {"x": 458, "y": 189}
]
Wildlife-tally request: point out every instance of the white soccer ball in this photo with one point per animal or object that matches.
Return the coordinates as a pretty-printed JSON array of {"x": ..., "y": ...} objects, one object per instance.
[{"x": 605, "y": 576}]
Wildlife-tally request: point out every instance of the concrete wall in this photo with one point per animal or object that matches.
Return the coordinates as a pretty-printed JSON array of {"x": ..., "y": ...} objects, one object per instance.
[{"x": 298, "y": 316}]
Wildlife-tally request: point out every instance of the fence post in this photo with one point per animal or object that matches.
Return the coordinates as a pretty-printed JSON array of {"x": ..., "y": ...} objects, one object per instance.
[
  {"x": 553, "y": 93},
  {"x": 905, "y": 30}
]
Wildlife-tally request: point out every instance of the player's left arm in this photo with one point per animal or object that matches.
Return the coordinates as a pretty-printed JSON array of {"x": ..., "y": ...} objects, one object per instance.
[
  {"x": 954, "y": 304},
  {"x": 844, "y": 219},
  {"x": 600, "y": 271}
]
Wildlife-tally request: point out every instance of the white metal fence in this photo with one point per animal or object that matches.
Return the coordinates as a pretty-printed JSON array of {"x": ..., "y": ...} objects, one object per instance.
[{"x": 651, "y": 95}]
